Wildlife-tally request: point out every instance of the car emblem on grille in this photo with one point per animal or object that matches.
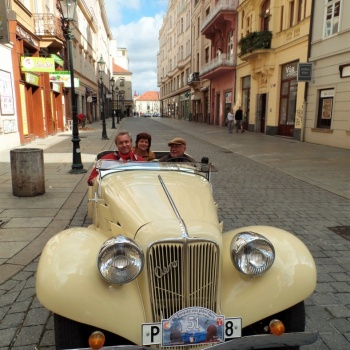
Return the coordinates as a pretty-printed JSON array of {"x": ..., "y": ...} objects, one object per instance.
[{"x": 160, "y": 272}]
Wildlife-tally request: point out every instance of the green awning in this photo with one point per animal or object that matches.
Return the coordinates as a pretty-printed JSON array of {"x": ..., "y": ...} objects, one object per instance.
[{"x": 58, "y": 59}]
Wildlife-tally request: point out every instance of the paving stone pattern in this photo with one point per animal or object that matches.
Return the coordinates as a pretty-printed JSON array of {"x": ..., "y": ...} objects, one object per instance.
[{"x": 248, "y": 192}]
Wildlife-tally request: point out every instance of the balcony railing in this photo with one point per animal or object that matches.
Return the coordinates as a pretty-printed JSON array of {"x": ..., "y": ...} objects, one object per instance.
[
  {"x": 222, "y": 60},
  {"x": 193, "y": 78},
  {"x": 47, "y": 24},
  {"x": 222, "y": 5},
  {"x": 255, "y": 41}
]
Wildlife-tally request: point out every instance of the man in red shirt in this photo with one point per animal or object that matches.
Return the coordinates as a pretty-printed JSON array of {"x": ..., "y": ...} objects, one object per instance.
[{"x": 123, "y": 141}]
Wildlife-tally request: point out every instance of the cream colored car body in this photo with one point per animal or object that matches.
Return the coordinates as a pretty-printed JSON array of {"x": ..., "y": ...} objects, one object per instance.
[{"x": 132, "y": 202}]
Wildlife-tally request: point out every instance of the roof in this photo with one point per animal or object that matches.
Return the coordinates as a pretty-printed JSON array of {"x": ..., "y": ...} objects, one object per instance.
[
  {"x": 149, "y": 96},
  {"x": 119, "y": 69}
]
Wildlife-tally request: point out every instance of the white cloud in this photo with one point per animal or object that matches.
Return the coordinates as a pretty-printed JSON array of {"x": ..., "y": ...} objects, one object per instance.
[{"x": 140, "y": 38}]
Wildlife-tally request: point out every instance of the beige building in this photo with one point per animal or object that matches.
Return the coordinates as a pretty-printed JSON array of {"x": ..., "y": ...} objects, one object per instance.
[
  {"x": 328, "y": 103},
  {"x": 147, "y": 104},
  {"x": 274, "y": 38},
  {"x": 174, "y": 60},
  {"x": 122, "y": 100}
]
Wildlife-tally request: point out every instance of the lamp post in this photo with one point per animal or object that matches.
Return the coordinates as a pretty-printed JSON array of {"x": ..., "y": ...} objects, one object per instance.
[
  {"x": 112, "y": 81},
  {"x": 101, "y": 67},
  {"x": 117, "y": 94},
  {"x": 68, "y": 10}
]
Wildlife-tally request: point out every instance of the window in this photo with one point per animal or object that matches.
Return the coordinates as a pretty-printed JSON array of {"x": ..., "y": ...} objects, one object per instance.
[
  {"x": 207, "y": 11},
  {"x": 198, "y": 26},
  {"x": 332, "y": 17},
  {"x": 230, "y": 45},
  {"x": 122, "y": 80},
  {"x": 300, "y": 6},
  {"x": 281, "y": 19},
  {"x": 207, "y": 55},
  {"x": 265, "y": 15},
  {"x": 291, "y": 13},
  {"x": 325, "y": 108}
]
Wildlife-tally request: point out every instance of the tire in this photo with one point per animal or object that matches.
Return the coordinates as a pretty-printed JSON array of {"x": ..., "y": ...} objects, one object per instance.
[
  {"x": 70, "y": 334},
  {"x": 292, "y": 318}
]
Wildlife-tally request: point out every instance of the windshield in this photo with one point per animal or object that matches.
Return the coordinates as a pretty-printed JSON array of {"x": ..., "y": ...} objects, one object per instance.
[{"x": 106, "y": 166}]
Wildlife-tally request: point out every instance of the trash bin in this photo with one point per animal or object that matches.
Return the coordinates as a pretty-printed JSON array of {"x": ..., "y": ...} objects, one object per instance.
[{"x": 27, "y": 170}]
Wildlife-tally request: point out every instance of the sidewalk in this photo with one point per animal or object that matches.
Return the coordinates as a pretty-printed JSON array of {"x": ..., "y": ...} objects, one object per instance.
[{"x": 27, "y": 223}]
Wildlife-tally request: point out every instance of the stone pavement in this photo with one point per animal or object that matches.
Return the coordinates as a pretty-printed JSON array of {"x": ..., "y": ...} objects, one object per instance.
[{"x": 27, "y": 223}]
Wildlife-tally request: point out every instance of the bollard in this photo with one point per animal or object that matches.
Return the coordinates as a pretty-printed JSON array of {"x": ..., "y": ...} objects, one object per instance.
[{"x": 27, "y": 170}]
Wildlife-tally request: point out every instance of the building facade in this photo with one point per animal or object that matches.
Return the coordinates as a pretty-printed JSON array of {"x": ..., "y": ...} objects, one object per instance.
[
  {"x": 147, "y": 104},
  {"x": 174, "y": 60},
  {"x": 40, "y": 65},
  {"x": 274, "y": 37},
  {"x": 328, "y": 104}
]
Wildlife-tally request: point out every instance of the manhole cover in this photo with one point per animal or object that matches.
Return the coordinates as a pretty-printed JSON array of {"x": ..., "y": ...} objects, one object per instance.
[{"x": 343, "y": 231}]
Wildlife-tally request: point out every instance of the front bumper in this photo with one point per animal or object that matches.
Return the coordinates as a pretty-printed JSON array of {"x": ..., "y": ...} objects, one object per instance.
[{"x": 265, "y": 341}]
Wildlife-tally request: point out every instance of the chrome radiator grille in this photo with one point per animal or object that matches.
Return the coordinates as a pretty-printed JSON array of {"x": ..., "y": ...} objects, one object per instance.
[{"x": 182, "y": 274}]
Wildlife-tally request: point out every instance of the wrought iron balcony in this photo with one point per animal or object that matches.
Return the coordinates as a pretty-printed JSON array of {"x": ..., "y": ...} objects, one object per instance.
[
  {"x": 255, "y": 41},
  {"x": 193, "y": 78},
  {"x": 47, "y": 25}
]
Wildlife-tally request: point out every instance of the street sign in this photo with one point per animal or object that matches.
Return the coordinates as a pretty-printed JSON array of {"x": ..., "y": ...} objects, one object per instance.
[{"x": 304, "y": 71}]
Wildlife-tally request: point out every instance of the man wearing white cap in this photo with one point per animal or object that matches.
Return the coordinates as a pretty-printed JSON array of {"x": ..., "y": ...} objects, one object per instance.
[{"x": 177, "y": 152}]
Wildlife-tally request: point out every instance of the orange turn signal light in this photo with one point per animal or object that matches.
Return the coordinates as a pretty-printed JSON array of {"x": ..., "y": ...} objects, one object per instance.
[
  {"x": 277, "y": 327},
  {"x": 96, "y": 340}
]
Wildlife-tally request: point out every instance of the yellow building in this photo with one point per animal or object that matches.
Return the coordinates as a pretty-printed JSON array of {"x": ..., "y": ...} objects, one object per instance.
[{"x": 273, "y": 40}]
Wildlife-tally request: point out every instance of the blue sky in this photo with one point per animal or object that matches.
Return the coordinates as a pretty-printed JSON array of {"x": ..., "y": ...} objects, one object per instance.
[{"x": 135, "y": 25}]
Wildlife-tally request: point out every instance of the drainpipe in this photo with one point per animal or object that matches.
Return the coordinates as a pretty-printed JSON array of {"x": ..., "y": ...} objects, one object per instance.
[{"x": 302, "y": 135}]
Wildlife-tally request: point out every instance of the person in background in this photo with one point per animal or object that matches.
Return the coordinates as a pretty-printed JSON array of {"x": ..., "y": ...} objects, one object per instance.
[
  {"x": 177, "y": 152},
  {"x": 230, "y": 120},
  {"x": 143, "y": 146},
  {"x": 239, "y": 118},
  {"x": 123, "y": 141}
]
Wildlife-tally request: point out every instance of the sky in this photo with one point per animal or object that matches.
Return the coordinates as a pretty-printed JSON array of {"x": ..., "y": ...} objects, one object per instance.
[{"x": 135, "y": 25}]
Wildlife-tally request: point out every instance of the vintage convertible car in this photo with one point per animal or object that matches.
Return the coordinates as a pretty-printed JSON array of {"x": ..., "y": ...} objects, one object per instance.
[{"x": 155, "y": 269}]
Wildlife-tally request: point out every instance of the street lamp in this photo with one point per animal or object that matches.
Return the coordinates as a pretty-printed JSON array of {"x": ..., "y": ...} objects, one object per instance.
[
  {"x": 101, "y": 67},
  {"x": 68, "y": 10},
  {"x": 117, "y": 94},
  {"x": 112, "y": 81}
]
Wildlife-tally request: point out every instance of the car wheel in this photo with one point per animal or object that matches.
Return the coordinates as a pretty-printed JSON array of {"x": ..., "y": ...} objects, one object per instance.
[
  {"x": 70, "y": 334},
  {"x": 292, "y": 318}
]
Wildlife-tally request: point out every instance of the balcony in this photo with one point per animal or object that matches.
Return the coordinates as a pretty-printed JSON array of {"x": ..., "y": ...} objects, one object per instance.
[
  {"x": 49, "y": 29},
  {"x": 219, "y": 65},
  {"x": 224, "y": 11},
  {"x": 255, "y": 43},
  {"x": 182, "y": 63},
  {"x": 193, "y": 78}
]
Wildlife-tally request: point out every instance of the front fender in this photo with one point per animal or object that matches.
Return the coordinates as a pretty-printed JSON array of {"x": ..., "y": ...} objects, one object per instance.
[
  {"x": 291, "y": 279},
  {"x": 69, "y": 284}
]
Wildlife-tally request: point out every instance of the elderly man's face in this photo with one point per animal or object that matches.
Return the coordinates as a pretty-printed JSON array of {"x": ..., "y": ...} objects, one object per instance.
[
  {"x": 124, "y": 144},
  {"x": 177, "y": 150}
]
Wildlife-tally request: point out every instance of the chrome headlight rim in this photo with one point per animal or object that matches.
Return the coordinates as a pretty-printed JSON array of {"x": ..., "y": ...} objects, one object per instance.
[
  {"x": 252, "y": 254},
  {"x": 120, "y": 260}
]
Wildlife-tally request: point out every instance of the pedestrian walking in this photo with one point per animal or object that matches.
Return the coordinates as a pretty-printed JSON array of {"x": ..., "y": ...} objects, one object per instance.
[
  {"x": 230, "y": 120},
  {"x": 238, "y": 119}
]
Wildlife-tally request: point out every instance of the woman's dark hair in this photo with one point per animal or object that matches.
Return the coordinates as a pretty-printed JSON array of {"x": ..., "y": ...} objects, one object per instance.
[{"x": 144, "y": 136}]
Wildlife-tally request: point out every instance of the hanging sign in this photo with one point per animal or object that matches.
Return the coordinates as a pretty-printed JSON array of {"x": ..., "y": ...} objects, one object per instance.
[
  {"x": 304, "y": 71},
  {"x": 63, "y": 77},
  {"x": 37, "y": 64}
]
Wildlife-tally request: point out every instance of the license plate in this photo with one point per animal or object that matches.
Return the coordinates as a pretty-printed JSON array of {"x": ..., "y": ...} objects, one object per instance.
[{"x": 191, "y": 326}]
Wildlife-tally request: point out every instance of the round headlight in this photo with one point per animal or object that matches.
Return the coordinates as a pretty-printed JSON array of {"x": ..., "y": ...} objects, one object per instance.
[
  {"x": 251, "y": 253},
  {"x": 120, "y": 260}
]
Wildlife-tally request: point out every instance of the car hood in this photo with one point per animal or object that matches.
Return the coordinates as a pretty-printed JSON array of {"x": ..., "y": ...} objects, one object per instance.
[{"x": 136, "y": 198}]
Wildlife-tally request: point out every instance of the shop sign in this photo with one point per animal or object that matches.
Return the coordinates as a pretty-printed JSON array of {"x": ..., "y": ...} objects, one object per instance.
[
  {"x": 63, "y": 77},
  {"x": 304, "y": 71},
  {"x": 37, "y": 64},
  {"x": 56, "y": 87},
  {"x": 32, "y": 79}
]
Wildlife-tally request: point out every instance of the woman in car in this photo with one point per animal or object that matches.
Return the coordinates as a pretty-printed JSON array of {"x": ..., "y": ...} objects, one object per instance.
[{"x": 143, "y": 145}]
